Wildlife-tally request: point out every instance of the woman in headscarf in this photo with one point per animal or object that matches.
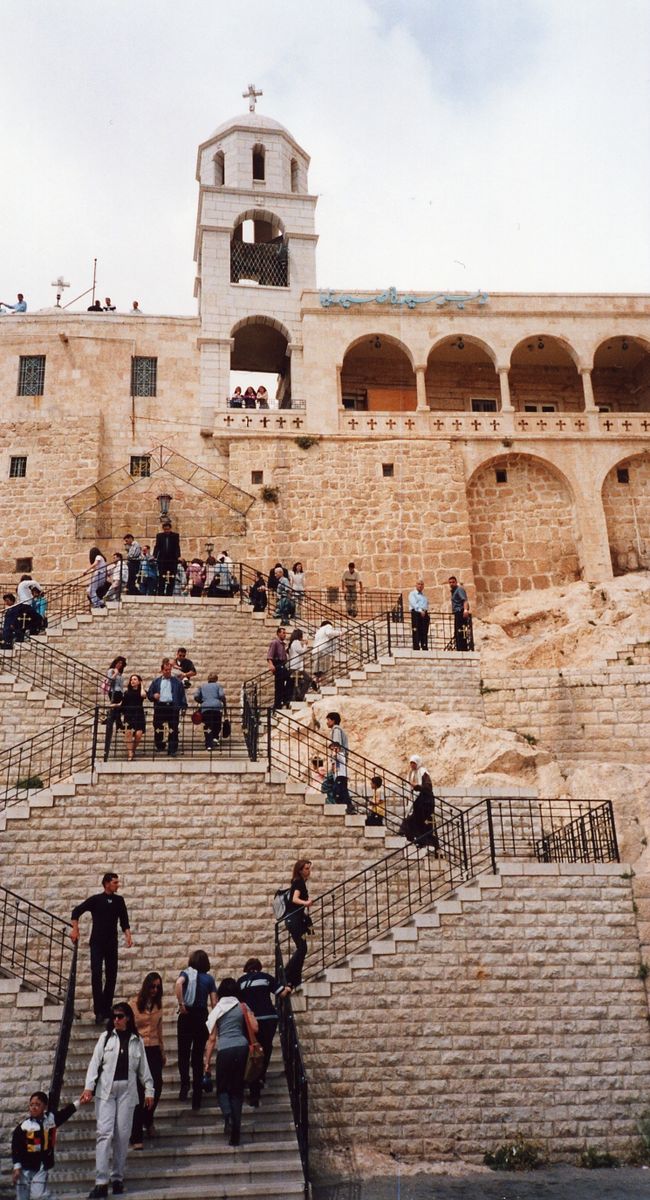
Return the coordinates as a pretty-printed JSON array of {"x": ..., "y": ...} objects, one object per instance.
[{"x": 418, "y": 776}]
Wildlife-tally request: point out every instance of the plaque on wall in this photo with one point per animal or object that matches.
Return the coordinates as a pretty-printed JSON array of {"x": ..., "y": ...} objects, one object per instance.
[{"x": 180, "y": 630}]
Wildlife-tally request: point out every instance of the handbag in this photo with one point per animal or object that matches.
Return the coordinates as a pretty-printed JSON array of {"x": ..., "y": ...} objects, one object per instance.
[
  {"x": 225, "y": 728},
  {"x": 255, "y": 1060},
  {"x": 197, "y": 717}
]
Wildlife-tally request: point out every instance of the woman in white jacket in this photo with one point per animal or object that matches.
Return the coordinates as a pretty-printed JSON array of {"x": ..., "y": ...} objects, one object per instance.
[{"x": 118, "y": 1062}]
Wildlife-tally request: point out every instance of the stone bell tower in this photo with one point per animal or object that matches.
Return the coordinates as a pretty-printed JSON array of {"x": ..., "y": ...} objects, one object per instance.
[{"x": 255, "y": 254}]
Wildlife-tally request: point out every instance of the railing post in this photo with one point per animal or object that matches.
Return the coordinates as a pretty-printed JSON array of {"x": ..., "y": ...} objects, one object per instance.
[
  {"x": 493, "y": 855},
  {"x": 612, "y": 830},
  {"x": 93, "y": 751},
  {"x": 268, "y": 736},
  {"x": 388, "y": 631}
]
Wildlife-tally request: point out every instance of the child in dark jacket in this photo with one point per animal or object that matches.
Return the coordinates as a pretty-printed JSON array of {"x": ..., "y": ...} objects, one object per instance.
[{"x": 32, "y": 1145}]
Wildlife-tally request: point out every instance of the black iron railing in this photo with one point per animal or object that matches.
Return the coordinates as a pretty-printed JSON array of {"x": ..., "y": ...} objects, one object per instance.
[
  {"x": 294, "y": 1068},
  {"x": 112, "y": 745},
  {"x": 35, "y": 946},
  {"x": 297, "y": 750},
  {"x": 58, "y": 674},
  {"x": 371, "y": 602},
  {"x": 46, "y": 759},
  {"x": 267, "y": 263},
  {"x": 352, "y": 914},
  {"x": 63, "y": 1040},
  {"x": 285, "y": 403}
]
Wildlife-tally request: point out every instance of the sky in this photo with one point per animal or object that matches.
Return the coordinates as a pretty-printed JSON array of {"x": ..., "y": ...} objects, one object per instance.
[{"x": 455, "y": 144}]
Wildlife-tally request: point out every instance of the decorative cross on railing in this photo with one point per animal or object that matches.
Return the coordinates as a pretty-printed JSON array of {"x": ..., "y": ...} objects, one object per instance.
[{"x": 391, "y": 423}]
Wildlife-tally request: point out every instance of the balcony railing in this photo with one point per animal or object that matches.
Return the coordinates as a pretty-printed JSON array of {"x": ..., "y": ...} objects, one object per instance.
[{"x": 266, "y": 263}]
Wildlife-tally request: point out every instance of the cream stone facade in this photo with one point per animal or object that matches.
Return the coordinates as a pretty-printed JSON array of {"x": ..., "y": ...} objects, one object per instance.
[{"x": 502, "y": 437}]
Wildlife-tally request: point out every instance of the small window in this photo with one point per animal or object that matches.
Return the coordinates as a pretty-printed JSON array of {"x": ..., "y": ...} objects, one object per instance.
[
  {"x": 18, "y": 466},
  {"x": 258, "y": 163},
  {"x": 144, "y": 373},
  {"x": 539, "y": 408},
  {"x": 140, "y": 466},
  {"x": 484, "y": 406},
  {"x": 31, "y": 375},
  {"x": 501, "y": 475},
  {"x": 623, "y": 474},
  {"x": 24, "y": 566},
  {"x": 257, "y": 477},
  {"x": 294, "y": 174},
  {"x": 387, "y": 470},
  {"x": 219, "y": 169},
  {"x": 355, "y": 401}
]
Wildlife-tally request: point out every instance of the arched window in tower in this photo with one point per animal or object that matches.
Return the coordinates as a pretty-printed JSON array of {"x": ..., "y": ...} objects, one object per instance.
[
  {"x": 258, "y": 163},
  {"x": 219, "y": 169},
  {"x": 259, "y": 252},
  {"x": 294, "y": 175}
]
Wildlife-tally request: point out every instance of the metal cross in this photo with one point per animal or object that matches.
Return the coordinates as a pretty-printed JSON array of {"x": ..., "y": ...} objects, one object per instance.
[
  {"x": 168, "y": 576},
  {"x": 24, "y": 619},
  {"x": 251, "y": 95}
]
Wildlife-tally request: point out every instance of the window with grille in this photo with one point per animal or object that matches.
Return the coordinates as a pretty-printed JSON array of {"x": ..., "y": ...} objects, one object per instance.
[
  {"x": 140, "y": 466},
  {"x": 144, "y": 372},
  {"x": 31, "y": 375},
  {"x": 484, "y": 406},
  {"x": 18, "y": 466}
]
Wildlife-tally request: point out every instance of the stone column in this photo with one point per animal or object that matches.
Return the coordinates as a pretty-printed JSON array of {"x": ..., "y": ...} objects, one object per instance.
[
  {"x": 421, "y": 389},
  {"x": 587, "y": 388},
  {"x": 294, "y": 350},
  {"x": 214, "y": 378},
  {"x": 506, "y": 402}
]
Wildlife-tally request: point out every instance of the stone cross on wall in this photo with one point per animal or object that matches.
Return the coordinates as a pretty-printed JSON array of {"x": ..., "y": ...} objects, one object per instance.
[{"x": 251, "y": 95}]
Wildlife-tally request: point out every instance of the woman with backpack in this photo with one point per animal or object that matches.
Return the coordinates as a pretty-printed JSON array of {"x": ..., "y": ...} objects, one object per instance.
[
  {"x": 195, "y": 988},
  {"x": 118, "y": 1063}
]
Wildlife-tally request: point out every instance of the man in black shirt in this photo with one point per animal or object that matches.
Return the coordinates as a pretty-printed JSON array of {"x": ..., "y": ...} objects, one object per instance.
[
  {"x": 167, "y": 551},
  {"x": 106, "y": 909}
]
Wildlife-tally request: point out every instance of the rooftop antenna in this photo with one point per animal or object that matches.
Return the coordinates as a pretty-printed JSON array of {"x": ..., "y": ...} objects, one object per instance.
[
  {"x": 59, "y": 284},
  {"x": 251, "y": 95}
]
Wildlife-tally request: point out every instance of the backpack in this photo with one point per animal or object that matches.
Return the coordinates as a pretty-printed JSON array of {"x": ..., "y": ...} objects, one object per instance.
[{"x": 281, "y": 901}]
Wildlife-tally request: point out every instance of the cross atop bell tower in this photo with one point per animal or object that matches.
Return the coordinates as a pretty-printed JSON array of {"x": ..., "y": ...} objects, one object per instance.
[{"x": 251, "y": 95}]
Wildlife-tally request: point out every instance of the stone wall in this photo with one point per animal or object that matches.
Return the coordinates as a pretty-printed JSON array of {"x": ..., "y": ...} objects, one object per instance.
[
  {"x": 602, "y": 714},
  {"x": 444, "y": 682},
  {"x": 24, "y": 715},
  {"x": 627, "y": 512},
  {"x": 522, "y": 531},
  {"x": 524, "y": 1014}
]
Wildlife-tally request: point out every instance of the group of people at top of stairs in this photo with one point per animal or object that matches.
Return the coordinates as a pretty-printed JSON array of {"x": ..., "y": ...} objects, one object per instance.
[
  {"x": 24, "y": 612},
  {"x": 139, "y": 570},
  {"x": 238, "y": 1017},
  {"x": 168, "y": 693},
  {"x": 420, "y": 618}
]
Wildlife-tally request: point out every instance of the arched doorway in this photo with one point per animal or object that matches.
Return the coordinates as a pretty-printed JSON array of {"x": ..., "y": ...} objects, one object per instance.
[
  {"x": 621, "y": 375},
  {"x": 259, "y": 357},
  {"x": 461, "y": 376},
  {"x": 377, "y": 376},
  {"x": 522, "y": 527},
  {"x": 626, "y": 503},
  {"x": 543, "y": 376},
  {"x": 259, "y": 252}
]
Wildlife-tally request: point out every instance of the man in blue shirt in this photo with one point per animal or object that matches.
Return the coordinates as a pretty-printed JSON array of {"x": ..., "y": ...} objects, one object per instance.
[
  {"x": 463, "y": 637},
  {"x": 169, "y": 700},
  {"x": 419, "y": 606},
  {"x": 21, "y": 306}
]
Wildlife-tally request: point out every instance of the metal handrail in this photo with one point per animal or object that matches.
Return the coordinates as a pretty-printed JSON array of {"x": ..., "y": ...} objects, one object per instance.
[
  {"x": 60, "y": 674},
  {"x": 47, "y": 758},
  {"x": 355, "y": 912},
  {"x": 34, "y": 944},
  {"x": 294, "y": 1068},
  {"x": 292, "y": 747},
  {"x": 63, "y": 1040}
]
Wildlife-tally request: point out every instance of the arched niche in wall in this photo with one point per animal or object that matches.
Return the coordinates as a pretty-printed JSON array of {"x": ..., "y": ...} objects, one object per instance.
[
  {"x": 544, "y": 376},
  {"x": 621, "y": 375},
  {"x": 626, "y": 504},
  {"x": 461, "y": 376},
  {"x": 377, "y": 375},
  {"x": 260, "y": 348}
]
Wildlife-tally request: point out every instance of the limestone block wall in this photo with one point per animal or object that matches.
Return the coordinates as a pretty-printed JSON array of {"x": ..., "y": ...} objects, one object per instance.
[
  {"x": 627, "y": 512},
  {"x": 24, "y": 715},
  {"x": 580, "y": 715},
  {"x": 524, "y": 1013},
  {"x": 199, "y": 854},
  {"x": 522, "y": 530},
  {"x": 441, "y": 683},
  {"x": 218, "y": 637}
]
